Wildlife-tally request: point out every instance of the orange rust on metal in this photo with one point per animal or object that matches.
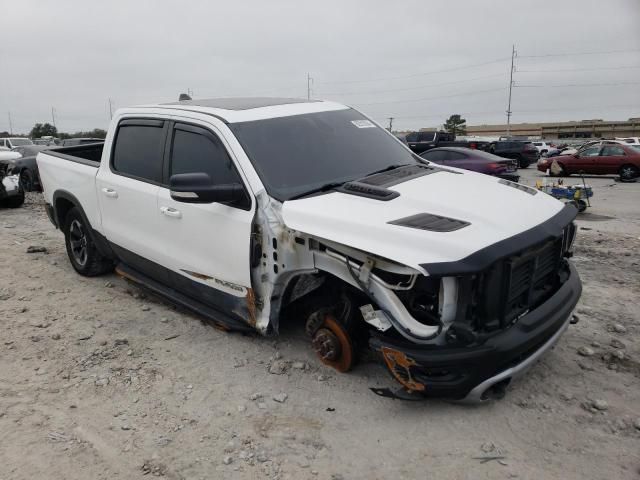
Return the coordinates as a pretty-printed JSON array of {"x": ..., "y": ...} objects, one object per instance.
[
  {"x": 201, "y": 276},
  {"x": 125, "y": 275},
  {"x": 393, "y": 359},
  {"x": 345, "y": 361},
  {"x": 251, "y": 307}
]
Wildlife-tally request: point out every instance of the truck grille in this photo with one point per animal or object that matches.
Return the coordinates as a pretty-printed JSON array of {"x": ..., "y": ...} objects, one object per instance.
[
  {"x": 530, "y": 276},
  {"x": 517, "y": 284}
]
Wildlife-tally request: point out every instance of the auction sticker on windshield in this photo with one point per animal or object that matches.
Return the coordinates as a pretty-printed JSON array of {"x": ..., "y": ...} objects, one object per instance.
[{"x": 363, "y": 123}]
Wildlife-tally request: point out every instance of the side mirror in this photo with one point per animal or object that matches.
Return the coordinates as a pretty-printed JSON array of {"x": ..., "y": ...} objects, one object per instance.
[{"x": 198, "y": 188}]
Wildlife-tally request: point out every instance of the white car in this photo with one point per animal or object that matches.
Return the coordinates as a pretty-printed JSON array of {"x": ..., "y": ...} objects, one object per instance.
[
  {"x": 543, "y": 147},
  {"x": 259, "y": 212},
  {"x": 630, "y": 140},
  {"x": 13, "y": 142}
]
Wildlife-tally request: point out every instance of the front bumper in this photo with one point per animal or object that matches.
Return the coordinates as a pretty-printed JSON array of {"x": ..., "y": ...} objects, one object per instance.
[{"x": 468, "y": 373}]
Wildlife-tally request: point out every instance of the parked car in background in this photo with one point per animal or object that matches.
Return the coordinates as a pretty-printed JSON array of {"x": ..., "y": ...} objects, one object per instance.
[
  {"x": 27, "y": 167},
  {"x": 522, "y": 151},
  {"x": 11, "y": 192},
  {"x": 604, "y": 159},
  {"x": 474, "y": 160},
  {"x": 630, "y": 140},
  {"x": 543, "y": 147},
  {"x": 426, "y": 140},
  {"x": 578, "y": 148},
  {"x": 12, "y": 142}
]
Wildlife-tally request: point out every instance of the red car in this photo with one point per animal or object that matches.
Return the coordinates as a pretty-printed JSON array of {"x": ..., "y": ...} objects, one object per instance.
[{"x": 607, "y": 159}]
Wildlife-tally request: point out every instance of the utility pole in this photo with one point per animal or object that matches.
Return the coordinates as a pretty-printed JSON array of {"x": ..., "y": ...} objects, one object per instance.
[
  {"x": 390, "y": 123},
  {"x": 10, "y": 125},
  {"x": 513, "y": 55},
  {"x": 53, "y": 116},
  {"x": 309, "y": 83},
  {"x": 110, "y": 110}
]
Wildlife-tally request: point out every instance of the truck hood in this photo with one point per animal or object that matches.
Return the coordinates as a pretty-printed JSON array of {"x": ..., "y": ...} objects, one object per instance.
[{"x": 494, "y": 211}]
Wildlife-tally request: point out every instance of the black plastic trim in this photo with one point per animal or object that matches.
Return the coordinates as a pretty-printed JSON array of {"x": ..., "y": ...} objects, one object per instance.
[
  {"x": 482, "y": 259},
  {"x": 60, "y": 153},
  {"x": 368, "y": 191}
]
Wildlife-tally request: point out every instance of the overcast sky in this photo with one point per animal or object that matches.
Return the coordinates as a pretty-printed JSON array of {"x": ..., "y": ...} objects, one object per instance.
[{"x": 418, "y": 61}]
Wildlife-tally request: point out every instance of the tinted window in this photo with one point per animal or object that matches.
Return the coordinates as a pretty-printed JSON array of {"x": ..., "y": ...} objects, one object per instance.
[
  {"x": 435, "y": 156},
  {"x": 202, "y": 152},
  {"x": 412, "y": 137},
  {"x": 611, "y": 150},
  {"x": 427, "y": 136},
  {"x": 138, "y": 151},
  {"x": 451, "y": 155},
  {"x": 590, "y": 152},
  {"x": 296, "y": 154}
]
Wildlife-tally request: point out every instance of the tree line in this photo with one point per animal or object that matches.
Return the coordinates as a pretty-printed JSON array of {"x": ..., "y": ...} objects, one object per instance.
[{"x": 40, "y": 130}]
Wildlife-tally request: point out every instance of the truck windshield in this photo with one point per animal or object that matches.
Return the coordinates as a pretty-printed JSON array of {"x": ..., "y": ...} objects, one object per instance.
[{"x": 302, "y": 153}]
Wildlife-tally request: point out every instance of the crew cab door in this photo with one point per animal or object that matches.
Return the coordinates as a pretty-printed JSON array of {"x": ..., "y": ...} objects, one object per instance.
[
  {"x": 206, "y": 243},
  {"x": 127, "y": 190}
]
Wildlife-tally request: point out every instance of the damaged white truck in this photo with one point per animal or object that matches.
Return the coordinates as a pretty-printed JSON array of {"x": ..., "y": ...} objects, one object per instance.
[{"x": 257, "y": 212}]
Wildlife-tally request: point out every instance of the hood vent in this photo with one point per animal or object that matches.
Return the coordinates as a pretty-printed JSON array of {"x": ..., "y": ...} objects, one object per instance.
[
  {"x": 518, "y": 186},
  {"x": 399, "y": 175},
  {"x": 368, "y": 191},
  {"x": 431, "y": 223}
]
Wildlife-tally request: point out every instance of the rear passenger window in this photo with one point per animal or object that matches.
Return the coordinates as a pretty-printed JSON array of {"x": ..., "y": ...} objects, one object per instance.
[
  {"x": 196, "y": 150},
  {"x": 611, "y": 150},
  {"x": 139, "y": 149}
]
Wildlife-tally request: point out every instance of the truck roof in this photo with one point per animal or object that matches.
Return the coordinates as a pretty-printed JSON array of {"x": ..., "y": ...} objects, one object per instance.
[{"x": 246, "y": 109}]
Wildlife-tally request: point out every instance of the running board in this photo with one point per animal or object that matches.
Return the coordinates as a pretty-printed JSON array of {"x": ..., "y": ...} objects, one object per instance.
[{"x": 213, "y": 316}]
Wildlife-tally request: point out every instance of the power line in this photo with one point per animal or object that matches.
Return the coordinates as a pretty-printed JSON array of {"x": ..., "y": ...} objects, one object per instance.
[
  {"x": 577, "y": 54},
  {"x": 579, "y": 69},
  {"x": 579, "y": 85},
  {"x": 431, "y": 72},
  {"x": 413, "y": 100},
  {"x": 414, "y": 88}
]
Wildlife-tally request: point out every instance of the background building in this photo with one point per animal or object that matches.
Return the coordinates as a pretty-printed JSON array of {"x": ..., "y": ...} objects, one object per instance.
[{"x": 594, "y": 128}]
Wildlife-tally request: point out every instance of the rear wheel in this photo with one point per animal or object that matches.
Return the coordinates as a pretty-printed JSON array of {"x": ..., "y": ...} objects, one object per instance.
[
  {"x": 15, "y": 201},
  {"x": 82, "y": 252},
  {"x": 628, "y": 172},
  {"x": 523, "y": 162}
]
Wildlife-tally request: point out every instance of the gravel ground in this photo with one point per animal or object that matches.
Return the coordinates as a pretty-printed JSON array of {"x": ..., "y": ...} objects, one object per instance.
[{"x": 99, "y": 381}]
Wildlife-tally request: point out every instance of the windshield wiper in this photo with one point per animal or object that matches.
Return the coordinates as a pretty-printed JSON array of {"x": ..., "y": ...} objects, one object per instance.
[{"x": 323, "y": 188}]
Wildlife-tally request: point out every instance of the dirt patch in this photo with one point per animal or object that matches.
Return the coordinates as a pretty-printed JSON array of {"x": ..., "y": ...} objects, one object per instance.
[{"x": 98, "y": 380}]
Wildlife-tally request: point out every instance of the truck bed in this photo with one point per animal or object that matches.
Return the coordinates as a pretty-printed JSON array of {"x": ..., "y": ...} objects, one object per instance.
[
  {"x": 88, "y": 154},
  {"x": 71, "y": 172}
]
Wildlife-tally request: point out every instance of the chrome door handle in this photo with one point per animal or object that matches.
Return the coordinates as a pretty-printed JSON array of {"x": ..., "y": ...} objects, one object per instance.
[
  {"x": 110, "y": 192},
  {"x": 171, "y": 212}
]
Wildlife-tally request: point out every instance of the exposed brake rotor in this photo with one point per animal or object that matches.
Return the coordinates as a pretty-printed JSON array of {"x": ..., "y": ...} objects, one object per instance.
[{"x": 332, "y": 343}]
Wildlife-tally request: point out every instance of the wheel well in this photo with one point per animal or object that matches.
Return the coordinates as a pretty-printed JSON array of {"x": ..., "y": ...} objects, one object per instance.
[
  {"x": 62, "y": 207},
  {"x": 628, "y": 165}
]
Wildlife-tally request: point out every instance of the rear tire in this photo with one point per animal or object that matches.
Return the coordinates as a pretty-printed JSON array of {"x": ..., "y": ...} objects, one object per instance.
[
  {"x": 83, "y": 254},
  {"x": 16, "y": 201},
  {"x": 26, "y": 180},
  {"x": 628, "y": 172},
  {"x": 522, "y": 163}
]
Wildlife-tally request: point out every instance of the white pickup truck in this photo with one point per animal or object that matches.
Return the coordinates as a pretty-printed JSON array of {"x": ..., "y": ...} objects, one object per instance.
[{"x": 258, "y": 212}]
